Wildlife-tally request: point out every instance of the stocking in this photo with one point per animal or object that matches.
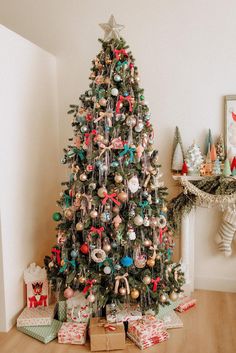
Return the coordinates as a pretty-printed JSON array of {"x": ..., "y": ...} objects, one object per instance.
[{"x": 226, "y": 232}]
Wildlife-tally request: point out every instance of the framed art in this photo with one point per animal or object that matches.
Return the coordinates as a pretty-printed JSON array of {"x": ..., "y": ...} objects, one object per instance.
[{"x": 230, "y": 126}]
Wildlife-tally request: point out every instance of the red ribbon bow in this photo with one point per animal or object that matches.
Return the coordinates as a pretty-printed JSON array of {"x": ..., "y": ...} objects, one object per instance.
[
  {"x": 111, "y": 197},
  {"x": 121, "y": 99},
  {"x": 97, "y": 230},
  {"x": 57, "y": 252},
  {"x": 118, "y": 53},
  {"x": 88, "y": 135},
  {"x": 162, "y": 230},
  {"x": 155, "y": 283},
  {"x": 89, "y": 284},
  {"x": 41, "y": 302}
]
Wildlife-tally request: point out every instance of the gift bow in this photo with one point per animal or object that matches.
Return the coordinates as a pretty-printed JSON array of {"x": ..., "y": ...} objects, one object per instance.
[
  {"x": 155, "y": 283},
  {"x": 118, "y": 52},
  {"x": 88, "y": 135},
  {"x": 161, "y": 231},
  {"x": 117, "y": 283},
  {"x": 97, "y": 230},
  {"x": 89, "y": 284},
  {"x": 72, "y": 262},
  {"x": 129, "y": 150},
  {"x": 111, "y": 197},
  {"x": 57, "y": 252},
  {"x": 41, "y": 302},
  {"x": 122, "y": 99},
  {"x": 102, "y": 115},
  {"x": 143, "y": 204}
]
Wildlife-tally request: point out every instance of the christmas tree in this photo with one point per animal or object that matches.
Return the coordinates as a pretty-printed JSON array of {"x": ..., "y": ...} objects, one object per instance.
[
  {"x": 220, "y": 148},
  {"x": 178, "y": 151},
  {"x": 113, "y": 239},
  {"x": 216, "y": 167},
  {"x": 194, "y": 159}
]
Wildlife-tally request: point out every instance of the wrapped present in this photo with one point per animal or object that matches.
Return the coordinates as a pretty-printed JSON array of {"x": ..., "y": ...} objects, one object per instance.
[
  {"x": 61, "y": 310},
  {"x": 40, "y": 316},
  {"x": 161, "y": 337},
  {"x": 186, "y": 303},
  {"x": 164, "y": 310},
  {"x": 73, "y": 333},
  {"x": 44, "y": 334},
  {"x": 147, "y": 327},
  {"x": 105, "y": 336},
  {"x": 78, "y": 309},
  {"x": 171, "y": 320},
  {"x": 36, "y": 281},
  {"x": 123, "y": 313}
]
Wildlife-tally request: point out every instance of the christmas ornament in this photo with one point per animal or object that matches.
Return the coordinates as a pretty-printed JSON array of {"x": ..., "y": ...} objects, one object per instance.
[
  {"x": 106, "y": 245},
  {"x": 83, "y": 177},
  {"x": 84, "y": 248},
  {"x": 74, "y": 254},
  {"x": 131, "y": 233},
  {"x": 82, "y": 279},
  {"x": 126, "y": 261},
  {"x": 139, "y": 126},
  {"x": 173, "y": 296},
  {"x": 111, "y": 29},
  {"x": 146, "y": 279},
  {"x": 131, "y": 121},
  {"x": 118, "y": 178},
  {"x": 92, "y": 186},
  {"x": 93, "y": 214},
  {"x": 98, "y": 255},
  {"x": 69, "y": 213},
  {"x": 134, "y": 293},
  {"x": 117, "y": 78},
  {"x": 56, "y": 216},
  {"x": 138, "y": 220},
  {"x": 147, "y": 242},
  {"x": 133, "y": 184},
  {"x": 107, "y": 270},
  {"x": 122, "y": 290},
  {"x": 103, "y": 102},
  {"x": 122, "y": 196},
  {"x": 116, "y": 209},
  {"x": 117, "y": 221},
  {"x": 91, "y": 298},
  {"x": 146, "y": 222},
  {"x": 102, "y": 191},
  {"x": 105, "y": 216},
  {"x": 150, "y": 262},
  {"x": 153, "y": 222},
  {"x": 163, "y": 298},
  {"x": 68, "y": 293},
  {"x": 114, "y": 92},
  {"x": 124, "y": 280}
]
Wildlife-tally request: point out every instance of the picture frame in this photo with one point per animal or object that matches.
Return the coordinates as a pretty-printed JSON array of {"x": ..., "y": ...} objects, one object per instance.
[{"x": 230, "y": 126}]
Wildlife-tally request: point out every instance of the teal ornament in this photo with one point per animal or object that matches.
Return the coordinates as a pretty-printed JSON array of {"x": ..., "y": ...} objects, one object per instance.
[
  {"x": 56, "y": 216},
  {"x": 117, "y": 78},
  {"x": 147, "y": 117},
  {"x": 74, "y": 254},
  {"x": 67, "y": 200},
  {"x": 114, "y": 164},
  {"x": 142, "y": 97},
  {"x": 125, "y": 94},
  {"x": 126, "y": 261}
]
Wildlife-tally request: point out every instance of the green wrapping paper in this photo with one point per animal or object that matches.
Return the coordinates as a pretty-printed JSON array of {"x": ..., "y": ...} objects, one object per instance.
[
  {"x": 44, "y": 334},
  {"x": 61, "y": 310}
]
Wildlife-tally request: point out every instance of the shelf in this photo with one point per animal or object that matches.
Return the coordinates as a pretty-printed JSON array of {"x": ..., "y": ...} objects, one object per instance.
[{"x": 188, "y": 177}]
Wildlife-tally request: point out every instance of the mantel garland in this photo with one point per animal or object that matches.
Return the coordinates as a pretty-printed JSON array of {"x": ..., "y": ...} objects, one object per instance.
[{"x": 214, "y": 191}]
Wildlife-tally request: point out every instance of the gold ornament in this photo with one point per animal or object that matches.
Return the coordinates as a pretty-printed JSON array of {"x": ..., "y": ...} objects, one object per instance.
[
  {"x": 69, "y": 214},
  {"x": 138, "y": 220},
  {"x": 134, "y": 293},
  {"x": 116, "y": 209},
  {"x": 83, "y": 177},
  {"x": 79, "y": 226},
  {"x": 147, "y": 279},
  {"x": 173, "y": 296},
  {"x": 102, "y": 191},
  {"x": 107, "y": 247},
  {"x": 122, "y": 290},
  {"x": 151, "y": 262},
  {"x": 93, "y": 214},
  {"x": 82, "y": 279},
  {"x": 118, "y": 178},
  {"x": 164, "y": 209},
  {"x": 122, "y": 196},
  {"x": 163, "y": 298},
  {"x": 147, "y": 242}
]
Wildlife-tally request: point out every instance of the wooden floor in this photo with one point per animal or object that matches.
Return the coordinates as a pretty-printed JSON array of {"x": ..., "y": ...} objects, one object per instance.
[{"x": 208, "y": 328}]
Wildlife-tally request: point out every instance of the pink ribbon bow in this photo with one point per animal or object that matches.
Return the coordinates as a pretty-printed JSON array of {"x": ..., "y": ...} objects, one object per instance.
[
  {"x": 97, "y": 231},
  {"x": 162, "y": 230},
  {"x": 88, "y": 135},
  {"x": 155, "y": 283},
  {"x": 121, "y": 99},
  {"x": 89, "y": 284},
  {"x": 111, "y": 197},
  {"x": 118, "y": 53},
  {"x": 57, "y": 252}
]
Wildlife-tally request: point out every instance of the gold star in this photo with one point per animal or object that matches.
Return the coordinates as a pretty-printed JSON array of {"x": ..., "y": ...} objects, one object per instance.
[{"x": 111, "y": 29}]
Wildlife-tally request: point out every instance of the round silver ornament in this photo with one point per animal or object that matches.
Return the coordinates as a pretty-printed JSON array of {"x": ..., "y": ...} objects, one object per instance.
[
  {"x": 173, "y": 296},
  {"x": 139, "y": 126},
  {"x": 93, "y": 214},
  {"x": 146, "y": 222},
  {"x": 107, "y": 270},
  {"x": 92, "y": 186},
  {"x": 105, "y": 216},
  {"x": 138, "y": 220},
  {"x": 83, "y": 177},
  {"x": 114, "y": 92},
  {"x": 130, "y": 121},
  {"x": 117, "y": 78},
  {"x": 163, "y": 298},
  {"x": 84, "y": 128}
]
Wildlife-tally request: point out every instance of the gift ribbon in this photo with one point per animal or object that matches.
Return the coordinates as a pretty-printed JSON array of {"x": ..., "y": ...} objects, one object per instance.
[
  {"x": 155, "y": 283},
  {"x": 143, "y": 205},
  {"x": 129, "y": 150},
  {"x": 67, "y": 262},
  {"x": 57, "y": 252},
  {"x": 110, "y": 197},
  {"x": 117, "y": 283},
  {"x": 97, "y": 231},
  {"x": 161, "y": 231},
  {"x": 121, "y": 100},
  {"x": 88, "y": 136},
  {"x": 41, "y": 302},
  {"x": 89, "y": 284},
  {"x": 118, "y": 53}
]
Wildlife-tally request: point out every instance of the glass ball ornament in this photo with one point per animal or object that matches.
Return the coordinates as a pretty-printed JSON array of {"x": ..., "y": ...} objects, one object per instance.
[
  {"x": 122, "y": 291},
  {"x": 84, "y": 128},
  {"x": 107, "y": 270},
  {"x": 84, "y": 248},
  {"x": 134, "y": 293},
  {"x": 114, "y": 245},
  {"x": 114, "y": 92},
  {"x": 163, "y": 298},
  {"x": 145, "y": 194},
  {"x": 79, "y": 226},
  {"x": 83, "y": 177},
  {"x": 146, "y": 279},
  {"x": 92, "y": 186},
  {"x": 91, "y": 298},
  {"x": 173, "y": 296},
  {"x": 68, "y": 293},
  {"x": 105, "y": 216},
  {"x": 138, "y": 220},
  {"x": 126, "y": 261},
  {"x": 131, "y": 234},
  {"x": 120, "y": 117},
  {"x": 122, "y": 196},
  {"x": 116, "y": 209},
  {"x": 146, "y": 222},
  {"x": 150, "y": 262},
  {"x": 69, "y": 214},
  {"x": 82, "y": 279},
  {"x": 130, "y": 121},
  {"x": 139, "y": 126},
  {"x": 102, "y": 191},
  {"x": 103, "y": 102},
  {"x": 118, "y": 178},
  {"x": 147, "y": 242},
  {"x": 132, "y": 213},
  {"x": 74, "y": 254},
  {"x": 56, "y": 216},
  {"x": 106, "y": 247},
  {"x": 117, "y": 267},
  {"x": 117, "y": 78},
  {"x": 93, "y": 214}
]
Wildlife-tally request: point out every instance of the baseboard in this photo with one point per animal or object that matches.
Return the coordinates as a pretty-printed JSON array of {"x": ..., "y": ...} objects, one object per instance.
[{"x": 217, "y": 284}]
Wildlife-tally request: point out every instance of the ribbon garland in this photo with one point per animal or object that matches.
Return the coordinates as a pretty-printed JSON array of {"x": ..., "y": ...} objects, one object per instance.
[
  {"x": 67, "y": 262},
  {"x": 88, "y": 136},
  {"x": 143, "y": 205},
  {"x": 119, "y": 52},
  {"x": 155, "y": 283},
  {"x": 89, "y": 284},
  {"x": 129, "y": 150},
  {"x": 97, "y": 231},
  {"x": 161, "y": 231},
  {"x": 56, "y": 252},
  {"x": 110, "y": 197},
  {"x": 117, "y": 283},
  {"x": 121, "y": 100}
]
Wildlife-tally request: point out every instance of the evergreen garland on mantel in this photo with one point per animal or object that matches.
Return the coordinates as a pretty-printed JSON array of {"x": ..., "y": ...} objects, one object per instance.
[{"x": 184, "y": 202}]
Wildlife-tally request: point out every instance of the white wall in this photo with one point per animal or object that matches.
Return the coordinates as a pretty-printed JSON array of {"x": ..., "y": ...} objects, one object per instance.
[{"x": 29, "y": 163}]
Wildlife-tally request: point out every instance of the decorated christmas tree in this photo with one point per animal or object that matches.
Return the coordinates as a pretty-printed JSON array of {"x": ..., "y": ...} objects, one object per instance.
[
  {"x": 113, "y": 239},
  {"x": 194, "y": 159},
  {"x": 216, "y": 167},
  {"x": 220, "y": 148}
]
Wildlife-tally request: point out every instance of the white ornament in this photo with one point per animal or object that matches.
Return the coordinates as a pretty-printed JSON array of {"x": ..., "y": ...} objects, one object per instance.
[
  {"x": 133, "y": 184},
  {"x": 107, "y": 270},
  {"x": 114, "y": 92},
  {"x": 98, "y": 255}
]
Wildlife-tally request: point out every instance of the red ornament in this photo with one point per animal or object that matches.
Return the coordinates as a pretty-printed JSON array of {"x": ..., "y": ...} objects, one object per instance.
[
  {"x": 233, "y": 164},
  {"x": 184, "y": 168},
  {"x": 84, "y": 248}
]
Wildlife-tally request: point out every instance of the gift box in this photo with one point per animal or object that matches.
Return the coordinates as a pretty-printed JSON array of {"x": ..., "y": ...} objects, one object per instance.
[
  {"x": 40, "y": 316},
  {"x": 105, "y": 336},
  {"x": 186, "y": 303},
  {"x": 171, "y": 320},
  {"x": 36, "y": 281},
  {"x": 73, "y": 333},
  {"x": 77, "y": 309},
  {"x": 44, "y": 334},
  {"x": 61, "y": 310},
  {"x": 146, "y": 343},
  {"x": 145, "y": 328},
  {"x": 115, "y": 313},
  {"x": 164, "y": 310}
]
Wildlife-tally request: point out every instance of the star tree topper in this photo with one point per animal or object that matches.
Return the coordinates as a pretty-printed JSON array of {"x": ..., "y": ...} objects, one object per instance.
[{"x": 111, "y": 29}]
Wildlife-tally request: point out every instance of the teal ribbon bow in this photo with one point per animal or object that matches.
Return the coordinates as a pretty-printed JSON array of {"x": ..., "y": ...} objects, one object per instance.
[
  {"x": 143, "y": 205},
  {"x": 80, "y": 152},
  {"x": 120, "y": 64},
  {"x": 67, "y": 262},
  {"x": 100, "y": 92},
  {"x": 67, "y": 200},
  {"x": 129, "y": 150}
]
